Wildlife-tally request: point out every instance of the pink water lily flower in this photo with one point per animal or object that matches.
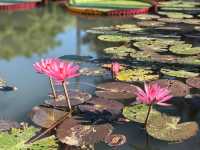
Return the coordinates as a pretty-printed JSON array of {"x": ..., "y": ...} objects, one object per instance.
[
  {"x": 153, "y": 94},
  {"x": 44, "y": 65},
  {"x": 63, "y": 70},
  {"x": 115, "y": 68}
]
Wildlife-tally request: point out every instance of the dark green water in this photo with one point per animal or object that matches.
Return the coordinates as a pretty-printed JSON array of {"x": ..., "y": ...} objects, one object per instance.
[{"x": 26, "y": 37}]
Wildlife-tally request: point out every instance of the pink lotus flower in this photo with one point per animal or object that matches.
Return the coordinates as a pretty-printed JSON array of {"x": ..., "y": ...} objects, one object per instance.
[
  {"x": 115, "y": 68},
  {"x": 63, "y": 70},
  {"x": 45, "y": 64},
  {"x": 153, "y": 94}
]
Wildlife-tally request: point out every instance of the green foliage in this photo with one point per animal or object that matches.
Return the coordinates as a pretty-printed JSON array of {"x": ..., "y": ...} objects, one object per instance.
[{"x": 15, "y": 140}]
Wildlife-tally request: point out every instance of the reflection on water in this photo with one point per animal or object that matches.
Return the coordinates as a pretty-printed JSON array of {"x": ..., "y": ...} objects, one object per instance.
[{"x": 26, "y": 37}]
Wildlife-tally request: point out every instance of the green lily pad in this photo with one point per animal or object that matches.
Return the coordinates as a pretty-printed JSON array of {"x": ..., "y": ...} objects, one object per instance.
[
  {"x": 184, "y": 49},
  {"x": 146, "y": 16},
  {"x": 138, "y": 113},
  {"x": 121, "y": 51},
  {"x": 138, "y": 74},
  {"x": 115, "y": 38},
  {"x": 2, "y": 82},
  {"x": 148, "y": 23},
  {"x": 168, "y": 128},
  {"x": 194, "y": 82},
  {"x": 102, "y": 30},
  {"x": 176, "y": 15},
  {"x": 197, "y": 28},
  {"x": 15, "y": 140},
  {"x": 178, "y": 3},
  {"x": 179, "y": 73},
  {"x": 170, "y": 20},
  {"x": 92, "y": 71},
  {"x": 192, "y": 21},
  {"x": 128, "y": 27}
]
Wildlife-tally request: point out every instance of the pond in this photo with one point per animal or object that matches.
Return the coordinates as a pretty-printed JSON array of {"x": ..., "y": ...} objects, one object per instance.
[{"x": 50, "y": 31}]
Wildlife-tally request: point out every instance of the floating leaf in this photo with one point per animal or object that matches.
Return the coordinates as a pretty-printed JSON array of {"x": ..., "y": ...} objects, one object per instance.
[
  {"x": 102, "y": 30},
  {"x": 138, "y": 113},
  {"x": 169, "y": 129},
  {"x": 2, "y": 82},
  {"x": 179, "y": 73},
  {"x": 116, "y": 90},
  {"x": 73, "y": 132},
  {"x": 76, "y": 58},
  {"x": 146, "y": 16},
  {"x": 45, "y": 117},
  {"x": 197, "y": 28},
  {"x": 192, "y": 21},
  {"x": 138, "y": 74},
  {"x": 92, "y": 71},
  {"x": 102, "y": 108},
  {"x": 171, "y": 20},
  {"x": 178, "y": 3},
  {"x": 128, "y": 28},
  {"x": 6, "y": 125},
  {"x": 121, "y": 51},
  {"x": 115, "y": 38},
  {"x": 188, "y": 60},
  {"x": 76, "y": 98},
  {"x": 184, "y": 49},
  {"x": 177, "y": 88},
  {"x": 150, "y": 23},
  {"x": 15, "y": 140},
  {"x": 194, "y": 82},
  {"x": 175, "y": 15},
  {"x": 115, "y": 140}
]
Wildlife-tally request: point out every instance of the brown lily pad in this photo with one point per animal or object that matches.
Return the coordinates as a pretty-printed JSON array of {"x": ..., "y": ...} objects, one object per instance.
[
  {"x": 76, "y": 98},
  {"x": 115, "y": 140},
  {"x": 103, "y": 108},
  {"x": 6, "y": 125},
  {"x": 169, "y": 129},
  {"x": 45, "y": 117},
  {"x": 194, "y": 82},
  {"x": 177, "y": 88},
  {"x": 116, "y": 90},
  {"x": 73, "y": 132}
]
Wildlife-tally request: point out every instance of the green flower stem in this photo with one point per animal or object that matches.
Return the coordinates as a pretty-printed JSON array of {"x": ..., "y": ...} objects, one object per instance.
[
  {"x": 52, "y": 88},
  {"x": 148, "y": 113},
  {"x": 67, "y": 95}
]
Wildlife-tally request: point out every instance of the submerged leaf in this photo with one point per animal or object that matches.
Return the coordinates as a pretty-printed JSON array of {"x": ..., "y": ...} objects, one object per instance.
[{"x": 15, "y": 140}]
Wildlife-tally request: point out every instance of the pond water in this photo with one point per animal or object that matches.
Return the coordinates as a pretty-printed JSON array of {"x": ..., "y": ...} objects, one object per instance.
[{"x": 26, "y": 37}]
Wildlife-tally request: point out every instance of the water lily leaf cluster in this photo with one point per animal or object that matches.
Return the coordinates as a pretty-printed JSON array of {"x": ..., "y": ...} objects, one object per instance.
[
  {"x": 138, "y": 74},
  {"x": 179, "y": 73},
  {"x": 16, "y": 138}
]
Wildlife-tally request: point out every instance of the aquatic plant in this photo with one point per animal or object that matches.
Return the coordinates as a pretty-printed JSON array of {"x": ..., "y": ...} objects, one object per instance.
[
  {"x": 43, "y": 67},
  {"x": 146, "y": 16},
  {"x": 6, "y": 125},
  {"x": 194, "y": 82},
  {"x": 153, "y": 94},
  {"x": 16, "y": 138},
  {"x": 115, "y": 69},
  {"x": 175, "y": 15}
]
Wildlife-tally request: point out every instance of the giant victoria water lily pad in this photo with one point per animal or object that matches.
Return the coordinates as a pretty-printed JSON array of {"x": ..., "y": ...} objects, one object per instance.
[
  {"x": 76, "y": 97},
  {"x": 176, "y": 15},
  {"x": 45, "y": 117},
  {"x": 74, "y": 132},
  {"x": 6, "y": 125},
  {"x": 177, "y": 88},
  {"x": 138, "y": 113},
  {"x": 102, "y": 108},
  {"x": 115, "y": 38},
  {"x": 184, "y": 49},
  {"x": 116, "y": 90},
  {"x": 138, "y": 74},
  {"x": 169, "y": 129},
  {"x": 179, "y": 73},
  {"x": 121, "y": 51},
  {"x": 16, "y": 138},
  {"x": 194, "y": 82}
]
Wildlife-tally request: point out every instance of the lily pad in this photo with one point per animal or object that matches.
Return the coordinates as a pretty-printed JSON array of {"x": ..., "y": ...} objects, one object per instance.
[
  {"x": 184, "y": 49},
  {"x": 76, "y": 58},
  {"x": 194, "y": 82},
  {"x": 188, "y": 60},
  {"x": 128, "y": 28},
  {"x": 138, "y": 74},
  {"x": 171, "y": 20},
  {"x": 45, "y": 117},
  {"x": 138, "y": 113},
  {"x": 2, "y": 82},
  {"x": 115, "y": 140},
  {"x": 175, "y": 15},
  {"x": 169, "y": 129},
  {"x": 121, "y": 51},
  {"x": 177, "y": 88},
  {"x": 146, "y": 16},
  {"x": 102, "y": 30},
  {"x": 192, "y": 21},
  {"x": 150, "y": 23},
  {"x": 197, "y": 28},
  {"x": 6, "y": 125},
  {"x": 116, "y": 90},
  {"x": 115, "y": 38},
  {"x": 178, "y": 3},
  {"x": 179, "y": 73},
  {"x": 73, "y": 132},
  {"x": 76, "y": 98},
  {"x": 92, "y": 71},
  {"x": 102, "y": 108}
]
